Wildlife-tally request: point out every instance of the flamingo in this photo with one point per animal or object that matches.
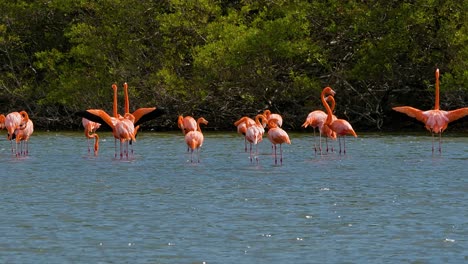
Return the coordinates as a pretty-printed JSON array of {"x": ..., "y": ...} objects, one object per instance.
[
  {"x": 2, "y": 121},
  {"x": 340, "y": 126},
  {"x": 126, "y": 131},
  {"x": 22, "y": 137},
  {"x": 194, "y": 139},
  {"x": 14, "y": 121},
  {"x": 254, "y": 133},
  {"x": 241, "y": 125},
  {"x": 316, "y": 119},
  {"x": 90, "y": 128},
  {"x": 436, "y": 121},
  {"x": 186, "y": 124},
  {"x": 279, "y": 120},
  {"x": 123, "y": 128},
  {"x": 139, "y": 116},
  {"x": 277, "y": 135}
]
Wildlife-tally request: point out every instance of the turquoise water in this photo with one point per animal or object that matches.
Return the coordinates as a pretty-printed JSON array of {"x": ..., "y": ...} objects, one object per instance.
[{"x": 388, "y": 200}]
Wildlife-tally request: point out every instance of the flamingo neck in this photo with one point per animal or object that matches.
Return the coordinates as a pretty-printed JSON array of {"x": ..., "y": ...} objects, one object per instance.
[
  {"x": 198, "y": 124},
  {"x": 327, "y": 107},
  {"x": 114, "y": 106},
  {"x": 127, "y": 104},
  {"x": 96, "y": 143},
  {"x": 436, "y": 106},
  {"x": 333, "y": 103},
  {"x": 257, "y": 120},
  {"x": 272, "y": 123}
]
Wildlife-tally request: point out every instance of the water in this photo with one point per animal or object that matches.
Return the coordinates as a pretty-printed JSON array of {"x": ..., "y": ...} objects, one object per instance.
[{"x": 388, "y": 200}]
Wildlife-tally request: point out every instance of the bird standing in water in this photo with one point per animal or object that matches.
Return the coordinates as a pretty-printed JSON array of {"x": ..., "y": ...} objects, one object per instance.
[{"x": 436, "y": 120}]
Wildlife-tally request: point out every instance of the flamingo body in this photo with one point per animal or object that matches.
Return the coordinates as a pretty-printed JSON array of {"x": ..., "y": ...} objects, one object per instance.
[
  {"x": 14, "y": 121},
  {"x": 254, "y": 133},
  {"x": 277, "y": 135},
  {"x": 186, "y": 124},
  {"x": 436, "y": 121},
  {"x": 22, "y": 137},
  {"x": 194, "y": 139}
]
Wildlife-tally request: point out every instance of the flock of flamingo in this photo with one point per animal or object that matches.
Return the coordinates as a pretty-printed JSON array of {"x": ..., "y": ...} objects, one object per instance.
[{"x": 125, "y": 127}]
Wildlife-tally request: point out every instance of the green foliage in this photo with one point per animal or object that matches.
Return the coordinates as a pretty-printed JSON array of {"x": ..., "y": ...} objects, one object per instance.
[{"x": 224, "y": 59}]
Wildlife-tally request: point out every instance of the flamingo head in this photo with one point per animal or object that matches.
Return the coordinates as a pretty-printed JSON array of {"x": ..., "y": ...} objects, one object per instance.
[
  {"x": 24, "y": 117},
  {"x": 125, "y": 85},
  {"x": 328, "y": 91},
  {"x": 267, "y": 113},
  {"x": 202, "y": 120},
  {"x": 114, "y": 86},
  {"x": 180, "y": 122},
  {"x": 437, "y": 73}
]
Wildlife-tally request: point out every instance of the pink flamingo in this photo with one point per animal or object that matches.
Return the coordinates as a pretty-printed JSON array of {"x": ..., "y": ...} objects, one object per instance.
[
  {"x": 123, "y": 128},
  {"x": 254, "y": 133},
  {"x": 194, "y": 139},
  {"x": 90, "y": 128},
  {"x": 241, "y": 125},
  {"x": 22, "y": 137},
  {"x": 316, "y": 119},
  {"x": 126, "y": 131},
  {"x": 277, "y": 135},
  {"x": 14, "y": 121},
  {"x": 279, "y": 120},
  {"x": 340, "y": 126},
  {"x": 2, "y": 121},
  {"x": 186, "y": 124},
  {"x": 436, "y": 121},
  {"x": 137, "y": 117}
]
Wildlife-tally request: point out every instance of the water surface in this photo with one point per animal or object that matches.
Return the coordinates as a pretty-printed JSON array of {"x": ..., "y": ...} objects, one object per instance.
[{"x": 388, "y": 200}]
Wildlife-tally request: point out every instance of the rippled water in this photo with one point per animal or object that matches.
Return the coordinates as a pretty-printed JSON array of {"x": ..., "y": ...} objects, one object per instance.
[{"x": 388, "y": 200}]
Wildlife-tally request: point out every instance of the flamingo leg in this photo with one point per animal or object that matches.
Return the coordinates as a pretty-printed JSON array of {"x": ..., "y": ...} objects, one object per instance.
[
  {"x": 250, "y": 152},
  {"x": 245, "y": 143},
  {"x": 256, "y": 152},
  {"x": 89, "y": 150},
  {"x": 440, "y": 142},
  {"x": 326, "y": 142},
  {"x": 315, "y": 142},
  {"x": 339, "y": 142},
  {"x": 432, "y": 142},
  {"x": 126, "y": 149},
  {"x": 115, "y": 148},
  {"x": 281, "y": 154},
  {"x": 344, "y": 144},
  {"x": 320, "y": 141},
  {"x": 276, "y": 159}
]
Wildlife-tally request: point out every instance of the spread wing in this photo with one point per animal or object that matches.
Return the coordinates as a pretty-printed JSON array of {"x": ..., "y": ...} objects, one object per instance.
[
  {"x": 412, "y": 112},
  {"x": 146, "y": 114},
  {"x": 97, "y": 115},
  {"x": 457, "y": 114}
]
